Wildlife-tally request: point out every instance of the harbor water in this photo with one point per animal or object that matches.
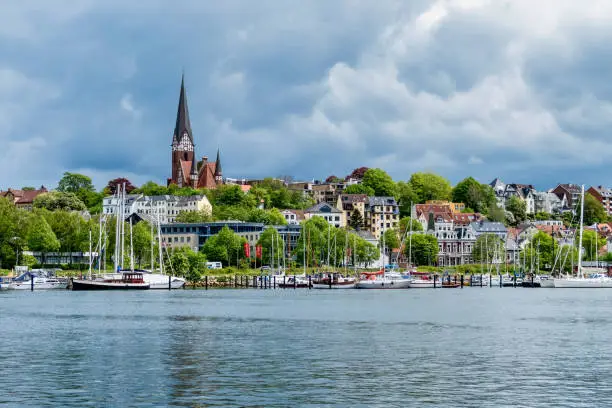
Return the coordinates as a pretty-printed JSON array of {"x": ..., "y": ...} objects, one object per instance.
[{"x": 480, "y": 347}]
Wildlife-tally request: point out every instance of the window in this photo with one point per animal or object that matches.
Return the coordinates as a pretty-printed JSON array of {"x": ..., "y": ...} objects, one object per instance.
[{"x": 188, "y": 239}]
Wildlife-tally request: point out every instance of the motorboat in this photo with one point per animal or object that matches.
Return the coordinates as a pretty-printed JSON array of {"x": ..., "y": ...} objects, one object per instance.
[
  {"x": 120, "y": 281},
  {"x": 334, "y": 281},
  {"x": 547, "y": 282},
  {"x": 382, "y": 280},
  {"x": 160, "y": 281},
  {"x": 294, "y": 282},
  {"x": 422, "y": 280},
  {"x": 36, "y": 280}
]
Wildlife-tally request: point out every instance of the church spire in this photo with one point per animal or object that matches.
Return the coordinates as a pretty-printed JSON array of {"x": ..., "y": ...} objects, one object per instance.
[
  {"x": 183, "y": 124},
  {"x": 218, "y": 170}
]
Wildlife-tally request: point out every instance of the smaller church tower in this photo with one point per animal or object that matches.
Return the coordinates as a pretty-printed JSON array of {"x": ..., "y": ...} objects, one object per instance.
[{"x": 218, "y": 170}]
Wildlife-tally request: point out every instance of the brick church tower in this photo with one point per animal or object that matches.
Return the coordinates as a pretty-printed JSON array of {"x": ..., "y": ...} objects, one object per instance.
[{"x": 186, "y": 170}]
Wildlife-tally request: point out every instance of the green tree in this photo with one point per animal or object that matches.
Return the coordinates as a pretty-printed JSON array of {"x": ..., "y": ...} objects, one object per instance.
[
  {"x": 379, "y": 181},
  {"x": 594, "y": 212},
  {"x": 406, "y": 197},
  {"x": 518, "y": 209},
  {"x": 496, "y": 214},
  {"x": 229, "y": 195},
  {"x": 591, "y": 243},
  {"x": 151, "y": 188},
  {"x": 488, "y": 248},
  {"x": 359, "y": 189},
  {"x": 188, "y": 264},
  {"x": 142, "y": 240},
  {"x": 193, "y": 216},
  {"x": 74, "y": 182},
  {"x": 473, "y": 194},
  {"x": 423, "y": 251},
  {"x": 56, "y": 200},
  {"x": 539, "y": 252},
  {"x": 13, "y": 223},
  {"x": 313, "y": 240},
  {"x": 225, "y": 247},
  {"x": 408, "y": 224},
  {"x": 40, "y": 236},
  {"x": 272, "y": 247},
  {"x": 390, "y": 239},
  {"x": 429, "y": 186},
  {"x": 178, "y": 262},
  {"x": 356, "y": 220}
]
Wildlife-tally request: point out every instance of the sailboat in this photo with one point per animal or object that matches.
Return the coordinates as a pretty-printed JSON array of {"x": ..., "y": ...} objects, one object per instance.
[
  {"x": 120, "y": 280},
  {"x": 383, "y": 279},
  {"x": 596, "y": 280},
  {"x": 333, "y": 280}
]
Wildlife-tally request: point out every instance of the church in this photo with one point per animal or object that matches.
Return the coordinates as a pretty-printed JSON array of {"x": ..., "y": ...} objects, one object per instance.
[{"x": 187, "y": 171}]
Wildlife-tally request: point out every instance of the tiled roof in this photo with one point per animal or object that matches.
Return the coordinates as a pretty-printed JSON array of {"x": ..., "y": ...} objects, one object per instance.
[
  {"x": 23, "y": 197},
  {"x": 488, "y": 226},
  {"x": 353, "y": 198}
]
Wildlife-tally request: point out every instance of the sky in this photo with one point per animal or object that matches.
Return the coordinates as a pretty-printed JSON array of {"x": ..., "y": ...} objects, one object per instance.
[{"x": 514, "y": 89}]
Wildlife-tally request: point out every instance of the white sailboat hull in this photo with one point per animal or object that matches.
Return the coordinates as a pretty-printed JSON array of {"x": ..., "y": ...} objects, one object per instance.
[
  {"x": 159, "y": 281},
  {"x": 334, "y": 286},
  {"x": 39, "y": 284},
  {"x": 583, "y": 283},
  {"x": 423, "y": 284},
  {"x": 383, "y": 284},
  {"x": 547, "y": 283}
]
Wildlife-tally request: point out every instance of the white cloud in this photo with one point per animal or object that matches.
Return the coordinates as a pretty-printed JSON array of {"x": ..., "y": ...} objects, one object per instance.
[{"x": 127, "y": 105}]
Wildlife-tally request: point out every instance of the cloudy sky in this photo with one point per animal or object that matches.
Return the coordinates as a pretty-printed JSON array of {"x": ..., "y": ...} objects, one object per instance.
[{"x": 515, "y": 89}]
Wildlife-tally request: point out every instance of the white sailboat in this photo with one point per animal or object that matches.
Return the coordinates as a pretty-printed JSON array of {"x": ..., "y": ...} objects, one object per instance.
[
  {"x": 41, "y": 282},
  {"x": 596, "y": 280}
]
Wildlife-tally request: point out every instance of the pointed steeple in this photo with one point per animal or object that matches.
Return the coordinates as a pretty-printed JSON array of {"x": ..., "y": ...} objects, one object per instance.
[
  {"x": 183, "y": 124},
  {"x": 218, "y": 170}
]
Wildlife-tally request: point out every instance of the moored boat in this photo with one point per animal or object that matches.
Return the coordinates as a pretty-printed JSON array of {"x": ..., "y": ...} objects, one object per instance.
[
  {"x": 123, "y": 281},
  {"x": 421, "y": 280},
  {"x": 334, "y": 281},
  {"x": 382, "y": 280},
  {"x": 36, "y": 281}
]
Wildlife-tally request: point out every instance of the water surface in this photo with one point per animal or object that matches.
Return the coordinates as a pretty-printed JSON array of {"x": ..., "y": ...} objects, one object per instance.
[{"x": 480, "y": 347}]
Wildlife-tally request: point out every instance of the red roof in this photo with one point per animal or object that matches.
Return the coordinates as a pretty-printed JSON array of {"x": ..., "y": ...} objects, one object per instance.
[{"x": 23, "y": 197}]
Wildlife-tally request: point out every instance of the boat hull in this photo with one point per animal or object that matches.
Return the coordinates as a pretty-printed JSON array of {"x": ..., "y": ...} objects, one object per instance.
[
  {"x": 37, "y": 286},
  {"x": 334, "y": 285},
  {"x": 547, "y": 283},
  {"x": 380, "y": 284},
  {"x": 583, "y": 283},
  {"x": 81, "y": 284},
  {"x": 423, "y": 284}
]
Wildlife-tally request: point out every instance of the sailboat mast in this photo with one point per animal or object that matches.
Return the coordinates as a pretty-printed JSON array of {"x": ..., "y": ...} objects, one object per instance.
[
  {"x": 304, "y": 239},
  {"x": 159, "y": 245},
  {"x": 90, "y": 257},
  {"x": 410, "y": 239},
  {"x": 152, "y": 239},
  {"x": 117, "y": 234},
  {"x": 580, "y": 240},
  {"x": 131, "y": 248},
  {"x": 99, "y": 243}
]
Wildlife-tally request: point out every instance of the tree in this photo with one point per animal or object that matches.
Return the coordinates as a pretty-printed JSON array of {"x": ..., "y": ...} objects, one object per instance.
[
  {"x": 408, "y": 224},
  {"x": 151, "y": 188},
  {"x": 594, "y": 212},
  {"x": 390, "y": 239},
  {"x": 423, "y": 251},
  {"x": 74, "y": 182},
  {"x": 488, "y": 248},
  {"x": 40, "y": 236},
  {"x": 229, "y": 195},
  {"x": 406, "y": 198},
  {"x": 333, "y": 179},
  {"x": 56, "y": 200},
  {"x": 359, "y": 189},
  {"x": 13, "y": 231},
  {"x": 313, "y": 239},
  {"x": 142, "y": 240},
  {"x": 356, "y": 220},
  {"x": 478, "y": 196},
  {"x": 272, "y": 247},
  {"x": 539, "y": 252},
  {"x": 112, "y": 186},
  {"x": 496, "y": 214},
  {"x": 429, "y": 186},
  {"x": 225, "y": 247},
  {"x": 591, "y": 243},
  {"x": 188, "y": 264},
  {"x": 193, "y": 216},
  {"x": 28, "y": 188},
  {"x": 357, "y": 174},
  {"x": 518, "y": 208},
  {"x": 379, "y": 181}
]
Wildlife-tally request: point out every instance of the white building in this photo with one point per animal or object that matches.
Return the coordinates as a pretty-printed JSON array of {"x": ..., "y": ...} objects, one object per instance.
[
  {"x": 167, "y": 207},
  {"x": 331, "y": 214}
]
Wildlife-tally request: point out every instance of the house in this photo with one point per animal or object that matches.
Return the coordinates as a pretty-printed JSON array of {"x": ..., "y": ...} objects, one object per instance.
[
  {"x": 604, "y": 196},
  {"x": 330, "y": 213},
  {"x": 549, "y": 202},
  {"x": 162, "y": 209},
  {"x": 352, "y": 202},
  {"x": 327, "y": 192},
  {"x": 293, "y": 217},
  {"x": 453, "y": 207},
  {"x": 455, "y": 242},
  {"x": 23, "y": 198},
  {"x": 489, "y": 227},
  {"x": 381, "y": 213},
  {"x": 571, "y": 193}
]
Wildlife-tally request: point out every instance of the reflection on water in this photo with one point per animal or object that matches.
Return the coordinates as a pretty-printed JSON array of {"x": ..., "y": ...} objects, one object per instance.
[{"x": 471, "y": 347}]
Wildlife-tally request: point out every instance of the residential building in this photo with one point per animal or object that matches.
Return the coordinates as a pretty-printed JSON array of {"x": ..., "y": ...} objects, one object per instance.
[
  {"x": 23, "y": 198},
  {"x": 489, "y": 227},
  {"x": 571, "y": 193},
  {"x": 293, "y": 217},
  {"x": 453, "y": 207},
  {"x": 604, "y": 196},
  {"x": 329, "y": 212},
  {"x": 549, "y": 202},
  {"x": 455, "y": 242},
  {"x": 291, "y": 235},
  {"x": 327, "y": 192},
  {"x": 163, "y": 208},
  {"x": 504, "y": 192},
  {"x": 348, "y": 203},
  {"x": 381, "y": 213}
]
